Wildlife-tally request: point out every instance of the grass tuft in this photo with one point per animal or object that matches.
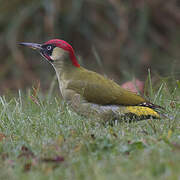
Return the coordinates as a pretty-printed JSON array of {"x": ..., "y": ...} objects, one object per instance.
[{"x": 41, "y": 138}]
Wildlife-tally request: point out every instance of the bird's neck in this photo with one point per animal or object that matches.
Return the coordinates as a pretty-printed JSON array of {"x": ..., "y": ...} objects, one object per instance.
[{"x": 64, "y": 68}]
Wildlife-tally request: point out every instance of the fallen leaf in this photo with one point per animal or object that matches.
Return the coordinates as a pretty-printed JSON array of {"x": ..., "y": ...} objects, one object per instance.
[
  {"x": 2, "y": 137},
  {"x": 56, "y": 159},
  {"x": 25, "y": 152},
  {"x": 172, "y": 104},
  {"x": 27, "y": 167},
  {"x": 135, "y": 86}
]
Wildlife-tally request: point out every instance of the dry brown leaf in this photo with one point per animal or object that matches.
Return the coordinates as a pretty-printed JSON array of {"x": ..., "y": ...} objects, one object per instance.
[{"x": 2, "y": 137}]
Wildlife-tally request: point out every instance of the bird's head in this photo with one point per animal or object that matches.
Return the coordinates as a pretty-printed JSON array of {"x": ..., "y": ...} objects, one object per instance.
[{"x": 55, "y": 50}]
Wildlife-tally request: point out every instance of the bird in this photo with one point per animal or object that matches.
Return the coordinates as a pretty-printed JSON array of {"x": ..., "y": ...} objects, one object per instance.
[{"x": 91, "y": 94}]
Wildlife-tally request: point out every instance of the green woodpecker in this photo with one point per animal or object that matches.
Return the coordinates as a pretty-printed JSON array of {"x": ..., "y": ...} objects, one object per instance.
[{"x": 89, "y": 93}]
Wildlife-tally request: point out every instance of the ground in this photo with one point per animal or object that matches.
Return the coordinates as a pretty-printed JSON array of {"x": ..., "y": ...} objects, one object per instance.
[{"x": 41, "y": 138}]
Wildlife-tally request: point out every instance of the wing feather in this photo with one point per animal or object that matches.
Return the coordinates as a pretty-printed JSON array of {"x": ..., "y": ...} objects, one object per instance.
[{"x": 97, "y": 89}]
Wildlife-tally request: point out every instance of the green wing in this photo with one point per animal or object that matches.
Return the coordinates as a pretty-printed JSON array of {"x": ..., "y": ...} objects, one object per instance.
[{"x": 97, "y": 89}]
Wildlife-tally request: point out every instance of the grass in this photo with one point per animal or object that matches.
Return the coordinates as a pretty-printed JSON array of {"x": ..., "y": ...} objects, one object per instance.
[{"x": 41, "y": 138}]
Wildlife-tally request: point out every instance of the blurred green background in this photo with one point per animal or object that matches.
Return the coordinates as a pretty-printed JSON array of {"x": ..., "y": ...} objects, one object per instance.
[{"x": 119, "y": 38}]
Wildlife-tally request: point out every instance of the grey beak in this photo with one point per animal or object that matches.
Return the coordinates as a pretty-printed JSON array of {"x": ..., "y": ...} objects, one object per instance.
[{"x": 32, "y": 45}]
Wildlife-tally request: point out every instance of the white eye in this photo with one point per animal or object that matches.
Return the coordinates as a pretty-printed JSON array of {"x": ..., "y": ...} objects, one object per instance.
[{"x": 48, "y": 48}]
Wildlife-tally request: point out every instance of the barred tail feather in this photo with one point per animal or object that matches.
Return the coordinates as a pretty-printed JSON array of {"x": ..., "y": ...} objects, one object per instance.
[{"x": 151, "y": 105}]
